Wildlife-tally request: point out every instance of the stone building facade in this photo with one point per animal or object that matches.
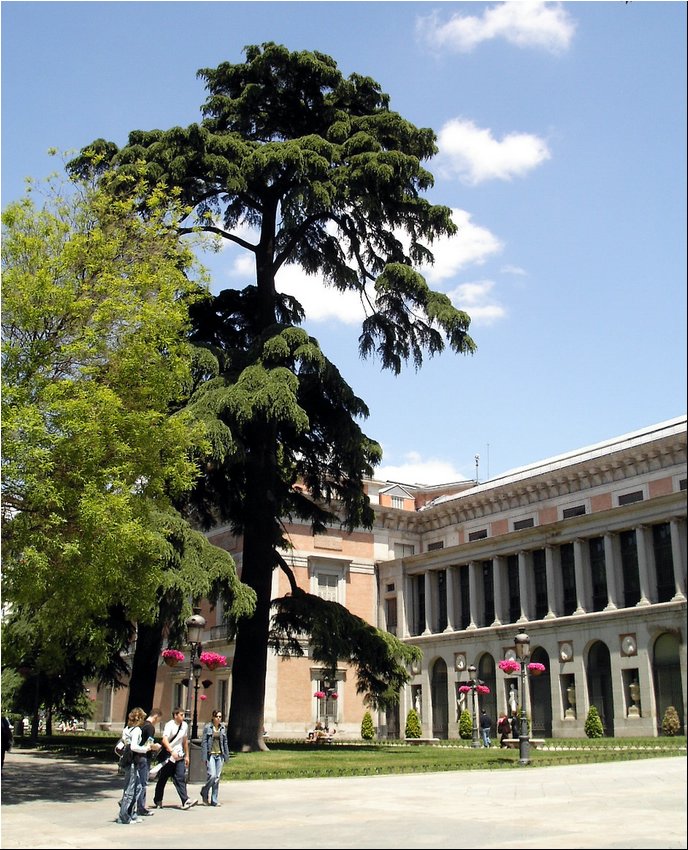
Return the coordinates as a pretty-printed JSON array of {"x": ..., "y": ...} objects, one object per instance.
[{"x": 585, "y": 552}]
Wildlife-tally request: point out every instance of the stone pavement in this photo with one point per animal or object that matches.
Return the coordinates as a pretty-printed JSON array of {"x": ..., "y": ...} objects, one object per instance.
[{"x": 64, "y": 802}]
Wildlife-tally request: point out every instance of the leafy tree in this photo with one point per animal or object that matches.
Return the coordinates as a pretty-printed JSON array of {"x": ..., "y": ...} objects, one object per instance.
[
  {"x": 465, "y": 725},
  {"x": 295, "y": 163},
  {"x": 367, "y": 727},
  {"x": 413, "y": 728},
  {"x": 593, "y": 723},
  {"x": 94, "y": 356}
]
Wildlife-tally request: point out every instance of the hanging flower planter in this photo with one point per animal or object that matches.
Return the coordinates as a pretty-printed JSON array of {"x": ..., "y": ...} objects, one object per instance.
[
  {"x": 536, "y": 669},
  {"x": 212, "y": 660},
  {"x": 509, "y": 666},
  {"x": 172, "y": 657}
]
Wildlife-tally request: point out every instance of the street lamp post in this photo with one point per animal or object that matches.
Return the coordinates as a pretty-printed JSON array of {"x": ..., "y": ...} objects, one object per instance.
[
  {"x": 328, "y": 690},
  {"x": 194, "y": 632},
  {"x": 522, "y": 645},
  {"x": 473, "y": 684}
]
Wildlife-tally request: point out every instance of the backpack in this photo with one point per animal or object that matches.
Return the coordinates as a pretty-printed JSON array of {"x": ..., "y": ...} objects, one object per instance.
[{"x": 123, "y": 749}]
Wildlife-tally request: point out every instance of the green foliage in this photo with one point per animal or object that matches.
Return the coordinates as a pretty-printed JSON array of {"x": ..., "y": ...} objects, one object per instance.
[
  {"x": 413, "y": 728},
  {"x": 465, "y": 725},
  {"x": 367, "y": 727},
  {"x": 94, "y": 358},
  {"x": 593, "y": 723},
  {"x": 295, "y": 164},
  {"x": 671, "y": 724}
]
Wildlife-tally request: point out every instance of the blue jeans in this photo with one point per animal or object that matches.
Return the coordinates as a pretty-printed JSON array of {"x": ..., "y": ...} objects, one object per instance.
[
  {"x": 143, "y": 768},
  {"x": 127, "y": 806},
  {"x": 486, "y": 737},
  {"x": 214, "y": 767}
]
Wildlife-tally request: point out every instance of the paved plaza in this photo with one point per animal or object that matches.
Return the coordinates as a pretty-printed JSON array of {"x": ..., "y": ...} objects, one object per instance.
[{"x": 51, "y": 802}]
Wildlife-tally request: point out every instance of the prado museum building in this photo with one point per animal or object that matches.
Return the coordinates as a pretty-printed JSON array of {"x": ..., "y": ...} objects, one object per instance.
[{"x": 585, "y": 553}]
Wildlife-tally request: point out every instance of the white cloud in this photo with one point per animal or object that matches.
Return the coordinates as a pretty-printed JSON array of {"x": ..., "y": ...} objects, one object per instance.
[
  {"x": 474, "y": 155},
  {"x": 476, "y": 299},
  {"x": 473, "y": 245},
  {"x": 523, "y": 24},
  {"x": 508, "y": 269},
  {"x": 414, "y": 469}
]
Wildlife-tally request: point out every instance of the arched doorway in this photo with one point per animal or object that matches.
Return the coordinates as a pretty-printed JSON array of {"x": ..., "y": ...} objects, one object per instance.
[
  {"x": 666, "y": 670},
  {"x": 600, "y": 685},
  {"x": 486, "y": 674},
  {"x": 440, "y": 700},
  {"x": 541, "y": 696}
]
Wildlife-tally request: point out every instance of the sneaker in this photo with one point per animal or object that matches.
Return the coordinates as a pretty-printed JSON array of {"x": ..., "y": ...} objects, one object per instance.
[
  {"x": 216, "y": 804},
  {"x": 145, "y": 814},
  {"x": 157, "y": 805},
  {"x": 205, "y": 800},
  {"x": 188, "y": 804}
]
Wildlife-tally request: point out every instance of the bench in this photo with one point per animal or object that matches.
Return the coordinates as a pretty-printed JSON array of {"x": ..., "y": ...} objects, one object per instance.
[
  {"x": 512, "y": 743},
  {"x": 319, "y": 737}
]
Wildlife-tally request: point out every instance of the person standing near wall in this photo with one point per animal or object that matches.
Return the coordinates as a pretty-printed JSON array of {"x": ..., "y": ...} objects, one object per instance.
[{"x": 485, "y": 727}]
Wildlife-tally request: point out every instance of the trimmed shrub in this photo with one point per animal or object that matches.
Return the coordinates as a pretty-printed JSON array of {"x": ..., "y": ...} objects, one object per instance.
[
  {"x": 367, "y": 728},
  {"x": 465, "y": 725},
  {"x": 670, "y": 722},
  {"x": 413, "y": 728},
  {"x": 593, "y": 723}
]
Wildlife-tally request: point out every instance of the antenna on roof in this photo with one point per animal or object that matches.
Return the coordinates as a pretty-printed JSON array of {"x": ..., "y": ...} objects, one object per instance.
[{"x": 477, "y": 461}]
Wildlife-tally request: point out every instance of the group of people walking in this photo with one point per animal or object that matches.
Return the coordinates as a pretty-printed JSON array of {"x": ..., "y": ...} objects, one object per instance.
[{"x": 173, "y": 761}]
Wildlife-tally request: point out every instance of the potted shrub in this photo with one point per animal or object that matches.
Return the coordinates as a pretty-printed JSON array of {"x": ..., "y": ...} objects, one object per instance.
[
  {"x": 413, "y": 728},
  {"x": 671, "y": 725},
  {"x": 465, "y": 725},
  {"x": 593, "y": 723},
  {"x": 367, "y": 728}
]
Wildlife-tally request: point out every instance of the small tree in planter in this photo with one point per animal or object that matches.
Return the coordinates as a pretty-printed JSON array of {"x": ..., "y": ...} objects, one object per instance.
[
  {"x": 593, "y": 723},
  {"x": 413, "y": 728},
  {"x": 367, "y": 728},
  {"x": 670, "y": 722},
  {"x": 465, "y": 725}
]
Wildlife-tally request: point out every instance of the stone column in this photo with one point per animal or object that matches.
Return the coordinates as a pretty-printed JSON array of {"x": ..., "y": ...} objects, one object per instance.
[
  {"x": 552, "y": 606},
  {"x": 610, "y": 562},
  {"x": 579, "y": 561},
  {"x": 402, "y": 614},
  {"x": 677, "y": 558},
  {"x": 473, "y": 593},
  {"x": 497, "y": 575},
  {"x": 428, "y": 604},
  {"x": 523, "y": 586},
  {"x": 643, "y": 566},
  {"x": 451, "y": 622}
]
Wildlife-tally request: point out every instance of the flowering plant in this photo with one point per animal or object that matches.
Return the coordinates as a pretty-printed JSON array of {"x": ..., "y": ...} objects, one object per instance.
[
  {"x": 319, "y": 695},
  {"x": 212, "y": 659},
  {"x": 464, "y": 689},
  {"x": 335, "y": 696},
  {"x": 482, "y": 689},
  {"x": 536, "y": 667},
  {"x": 509, "y": 666},
  {"x": 173, "y": 654},
  {"x": 203, "y": 697}
]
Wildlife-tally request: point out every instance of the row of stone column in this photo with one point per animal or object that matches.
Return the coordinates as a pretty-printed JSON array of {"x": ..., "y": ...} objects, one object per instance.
[{"x": 613, "y": 569}]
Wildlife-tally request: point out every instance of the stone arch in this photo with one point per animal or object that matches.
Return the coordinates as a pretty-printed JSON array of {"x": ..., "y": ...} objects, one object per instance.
[
  {"x": 599, "y": 682},
  {"x": 541, "y": 695},
  {"x": 439, "y": 699},
  {"x": 666, "y": 674}
]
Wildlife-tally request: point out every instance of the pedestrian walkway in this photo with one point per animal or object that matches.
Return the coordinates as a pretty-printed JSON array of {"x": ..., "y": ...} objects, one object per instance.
[{"x": 64, "y": 802}]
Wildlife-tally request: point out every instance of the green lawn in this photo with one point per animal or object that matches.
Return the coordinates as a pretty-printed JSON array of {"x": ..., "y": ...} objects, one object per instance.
[{"x": 291, "y": 760}]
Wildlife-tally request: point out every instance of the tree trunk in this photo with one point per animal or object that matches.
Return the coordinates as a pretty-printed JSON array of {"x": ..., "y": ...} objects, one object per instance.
[{"x": 144, "y": 668}]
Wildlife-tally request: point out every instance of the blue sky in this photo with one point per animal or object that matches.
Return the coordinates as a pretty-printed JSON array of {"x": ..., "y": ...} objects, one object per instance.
[{"x": 562, "y": 136}]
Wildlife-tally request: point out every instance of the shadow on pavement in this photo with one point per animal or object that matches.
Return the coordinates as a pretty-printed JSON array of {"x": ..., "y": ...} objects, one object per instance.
[{"x": 35, "y": 776}]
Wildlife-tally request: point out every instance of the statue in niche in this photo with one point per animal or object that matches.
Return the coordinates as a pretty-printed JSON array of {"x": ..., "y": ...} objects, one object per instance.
[
  {"x": 417, "y": 700},
  {"x": 513, "y": 700}
]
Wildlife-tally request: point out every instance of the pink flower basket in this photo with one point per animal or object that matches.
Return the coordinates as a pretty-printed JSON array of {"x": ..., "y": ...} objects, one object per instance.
[{"x": 509, "y": 666}]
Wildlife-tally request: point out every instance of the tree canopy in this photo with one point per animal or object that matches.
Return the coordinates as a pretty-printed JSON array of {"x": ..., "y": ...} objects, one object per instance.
[
  {"x": 95, "y": 355},
  {"x": 296, "y": 164}
]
